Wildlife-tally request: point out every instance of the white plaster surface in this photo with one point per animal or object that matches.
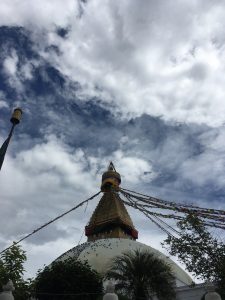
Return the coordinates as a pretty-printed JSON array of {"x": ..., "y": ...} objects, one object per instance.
[{"x": 99, "y": 255}]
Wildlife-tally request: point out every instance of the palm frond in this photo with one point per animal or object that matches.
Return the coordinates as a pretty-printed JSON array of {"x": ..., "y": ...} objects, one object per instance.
[{"x": 138, "y": 273}]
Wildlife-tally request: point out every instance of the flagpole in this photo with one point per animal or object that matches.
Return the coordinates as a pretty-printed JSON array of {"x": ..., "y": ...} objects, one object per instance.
[{"x": 15, "y": 120}]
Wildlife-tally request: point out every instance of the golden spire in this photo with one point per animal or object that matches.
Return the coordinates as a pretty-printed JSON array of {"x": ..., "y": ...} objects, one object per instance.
[
  {"x": 110, "y": 218},
  {"x": 110, "y": 179}
]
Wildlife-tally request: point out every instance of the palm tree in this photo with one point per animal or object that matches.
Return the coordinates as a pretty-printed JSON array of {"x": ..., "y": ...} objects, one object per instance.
[{"x": 139, "y": 274}]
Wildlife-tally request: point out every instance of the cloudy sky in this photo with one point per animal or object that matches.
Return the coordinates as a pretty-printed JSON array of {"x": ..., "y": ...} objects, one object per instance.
[{"x": 141, "y": 83}]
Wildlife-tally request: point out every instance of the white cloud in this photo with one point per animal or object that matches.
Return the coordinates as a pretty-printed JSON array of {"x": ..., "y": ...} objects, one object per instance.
[
  {"x": 17, "y": 74},
  {"x": 3, "y": 104},
  {"x": 161, "y": 58},
  {"x": 39, "y": 13},
  {"x": 146, "y": 61},
  {"x": 39, "y": 184},
  {"x": 133, "y": 169},
  {"x": 45, "y": 254},
  {"x": 26, "y": 70},
  {"x": 207, "y": 168},
  {"x": 10, "y": 64}
]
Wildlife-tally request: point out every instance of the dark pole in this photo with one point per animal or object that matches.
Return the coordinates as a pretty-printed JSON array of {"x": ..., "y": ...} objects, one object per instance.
[{"x": 15, "y": 120}]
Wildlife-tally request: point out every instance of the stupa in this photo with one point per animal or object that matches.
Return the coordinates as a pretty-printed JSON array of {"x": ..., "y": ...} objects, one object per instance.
[
  {"x": 111, "y": 232},
  {"x": 110, "y": 218}
]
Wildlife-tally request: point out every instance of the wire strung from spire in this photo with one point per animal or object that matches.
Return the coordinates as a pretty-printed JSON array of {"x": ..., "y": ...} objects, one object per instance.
[
  {"x": 135, "y": 205},
  {"x": 209, "y": 217},
  {"x": 170, "y": 203},
  {"x": 163, "y": 226},
  {"x": 82, "y": 234},
  {"x": 81, "y": 237},
  {"x": 150, "y": 216},
  {"x": 157, "y": 224},
  {"x": 51, "y": 221}
]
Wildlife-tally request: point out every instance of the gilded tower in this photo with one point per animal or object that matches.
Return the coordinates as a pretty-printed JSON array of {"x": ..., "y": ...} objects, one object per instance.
[{"x": 110, "y": 218}]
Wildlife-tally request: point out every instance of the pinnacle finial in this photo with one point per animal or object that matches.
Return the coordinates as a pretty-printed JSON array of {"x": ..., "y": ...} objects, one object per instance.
[
  {"x": 111, "y": 167},
  {"x": 110, "y": 178}
]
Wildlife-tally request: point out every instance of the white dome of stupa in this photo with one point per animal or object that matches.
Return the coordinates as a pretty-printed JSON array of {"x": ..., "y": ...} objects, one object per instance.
[{"x": 99, "y": 255}]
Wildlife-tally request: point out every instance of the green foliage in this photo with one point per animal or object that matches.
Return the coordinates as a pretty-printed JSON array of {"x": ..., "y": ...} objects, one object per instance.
[
  {"x": 11, "y": 267},
  {"x": 140, "y": 273},
  {"x": 68, "y": 277},
  {"x": 202, "y": 254}
]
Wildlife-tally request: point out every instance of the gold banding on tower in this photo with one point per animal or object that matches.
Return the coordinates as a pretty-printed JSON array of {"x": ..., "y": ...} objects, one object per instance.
[
  {"x": 110, "y": 179},
  {"x": 110, "y": 218}
]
